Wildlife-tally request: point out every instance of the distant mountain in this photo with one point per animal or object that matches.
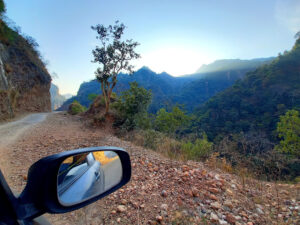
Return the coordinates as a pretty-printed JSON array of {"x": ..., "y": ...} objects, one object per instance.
[
  {"x": 189, "y": 90},
  {"x": 232, "y": 64},
  {"x": 56, "y": 99},
  {"x": 255, "y": 102},
  {"x": 67, "y": 96},
  {"x": 162, "y": 85}
]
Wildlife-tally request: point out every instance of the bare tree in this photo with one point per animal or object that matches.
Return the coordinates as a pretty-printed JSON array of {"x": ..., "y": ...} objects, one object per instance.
[{"x": 113, "y": 55}]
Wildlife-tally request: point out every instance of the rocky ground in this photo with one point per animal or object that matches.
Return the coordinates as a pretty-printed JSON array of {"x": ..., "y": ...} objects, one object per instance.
[{"x": 161, "y": 191}]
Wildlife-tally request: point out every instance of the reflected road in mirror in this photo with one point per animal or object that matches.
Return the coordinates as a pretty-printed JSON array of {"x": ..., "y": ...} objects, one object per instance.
[{"x": 87, "y": 175}]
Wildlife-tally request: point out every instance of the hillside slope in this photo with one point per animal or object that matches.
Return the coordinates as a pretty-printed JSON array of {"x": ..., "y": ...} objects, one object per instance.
[
  {"x": 24, "y": 80},
  {"x": 161, "y": 190},
  {"x": 255, "y": 102}
]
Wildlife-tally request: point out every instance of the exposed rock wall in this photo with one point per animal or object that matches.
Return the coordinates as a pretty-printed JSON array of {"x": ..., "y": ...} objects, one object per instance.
[
  {"x": 56, "y": 99},
  {"x": 24, "y": 81}
]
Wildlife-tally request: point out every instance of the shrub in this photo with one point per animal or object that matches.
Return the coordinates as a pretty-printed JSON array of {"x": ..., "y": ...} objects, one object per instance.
[
  {"x": 7, "y": 35},
  {"x": 170, "y": 147},
  {"x": 76, "y": 108},
  {"x": 288, "y": 129},
  {"x": 151, "y": 139},
  {"x": 199, "y": 150}
]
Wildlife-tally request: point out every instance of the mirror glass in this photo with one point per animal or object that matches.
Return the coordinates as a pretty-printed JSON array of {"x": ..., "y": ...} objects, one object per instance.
[{"x": 81, "y": 177}]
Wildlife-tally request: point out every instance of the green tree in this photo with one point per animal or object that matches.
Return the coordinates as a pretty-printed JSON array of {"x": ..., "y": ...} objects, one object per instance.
[
  {"x": 2, "y": 7},
  {"x": 164, "y": 121},
  {"x": 169, "y": 122},
  {"x": 113, "y": 55},
  {"x": 288, "y": 129},
  {"x": 132, "y": 106}
]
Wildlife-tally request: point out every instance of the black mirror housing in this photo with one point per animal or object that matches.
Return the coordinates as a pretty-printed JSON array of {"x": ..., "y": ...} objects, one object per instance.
[{"x": 40, "y": 194}]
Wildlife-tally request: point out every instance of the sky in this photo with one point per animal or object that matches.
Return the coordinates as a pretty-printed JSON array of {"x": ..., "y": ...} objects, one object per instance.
[{"x": 175, "y": 36}]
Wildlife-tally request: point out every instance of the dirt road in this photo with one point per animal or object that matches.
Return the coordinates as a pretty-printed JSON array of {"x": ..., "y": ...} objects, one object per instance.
[
  {"x": 9, "y": 132},
  {"x": 161, "y": 191}
]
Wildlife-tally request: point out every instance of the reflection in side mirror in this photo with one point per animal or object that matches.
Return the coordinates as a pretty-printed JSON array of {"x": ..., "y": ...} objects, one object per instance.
[{"x": 84, "y": 176}]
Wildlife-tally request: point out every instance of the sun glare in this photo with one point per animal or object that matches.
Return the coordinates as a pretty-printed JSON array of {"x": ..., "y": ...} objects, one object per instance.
[{"x": 175, "y": 61}]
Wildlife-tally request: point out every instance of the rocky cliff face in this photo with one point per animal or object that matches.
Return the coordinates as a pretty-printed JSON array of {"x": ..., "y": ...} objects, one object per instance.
[
  {"x": 24, "y": 81},
  {"x": 56, "y": 99}
]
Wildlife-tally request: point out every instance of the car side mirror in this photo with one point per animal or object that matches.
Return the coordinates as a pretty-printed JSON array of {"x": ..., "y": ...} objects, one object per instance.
[
  {"x": 83, "y": 176},
  {"x": 73, "y": 179}
]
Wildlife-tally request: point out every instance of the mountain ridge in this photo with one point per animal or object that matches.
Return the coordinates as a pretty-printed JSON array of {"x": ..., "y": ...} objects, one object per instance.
[
  {"x": 232, "y": 64},
  {"x": 189, "y": 90}
]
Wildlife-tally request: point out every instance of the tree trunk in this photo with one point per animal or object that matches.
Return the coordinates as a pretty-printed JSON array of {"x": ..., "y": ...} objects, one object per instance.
[
  {"x": 106, "y": 92},
  {"x": 106, "y": 98}
]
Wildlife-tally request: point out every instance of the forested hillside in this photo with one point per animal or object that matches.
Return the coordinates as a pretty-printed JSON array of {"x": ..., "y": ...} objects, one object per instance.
[
  {"x": 255, "y": 102},
  {"x": 190, "y": 90},
  {"x": 243, "y": 120},
  {"x": 162, "y": 86}
]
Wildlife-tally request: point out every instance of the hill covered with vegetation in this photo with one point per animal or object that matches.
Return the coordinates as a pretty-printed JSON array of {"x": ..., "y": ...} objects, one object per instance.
[
  {"x": 243, "y": 119},
  {"x": 256, "y": 101},
  {"x": 190, "y": 90}
]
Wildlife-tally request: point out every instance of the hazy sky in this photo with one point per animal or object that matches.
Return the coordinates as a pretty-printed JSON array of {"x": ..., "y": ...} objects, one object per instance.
[{"x": 176, "y": 36}]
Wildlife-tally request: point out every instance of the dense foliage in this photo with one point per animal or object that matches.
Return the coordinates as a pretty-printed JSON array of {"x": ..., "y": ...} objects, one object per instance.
[
  {"x": 170, "y": 122},
  {"x": 288, "y": 129},
  {"x": 255, "y": 102},
  {"x": 242, "y": 120},
  {"x": 132, "y": 108},
  {"x": 75, "y": 108}
]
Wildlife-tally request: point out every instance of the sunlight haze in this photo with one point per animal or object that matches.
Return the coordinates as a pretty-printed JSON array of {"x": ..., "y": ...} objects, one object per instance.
[{"x": 175, "y": 36}]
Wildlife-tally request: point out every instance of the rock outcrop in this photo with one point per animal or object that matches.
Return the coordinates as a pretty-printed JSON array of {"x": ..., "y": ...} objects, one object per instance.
[{"x": 24, "y": 80}]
